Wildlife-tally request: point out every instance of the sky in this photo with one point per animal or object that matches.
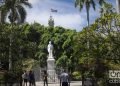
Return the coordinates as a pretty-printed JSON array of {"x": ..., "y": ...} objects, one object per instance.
[{"x": 66, "y": 16}]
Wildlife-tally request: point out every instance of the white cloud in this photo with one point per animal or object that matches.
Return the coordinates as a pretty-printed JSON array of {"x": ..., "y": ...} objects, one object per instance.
[
  {"x": 68, "y": 16},
  {"x": 73, "y": 21},
  {"x": 33, "y": 1},
  {"x": 69, "y": 20}
]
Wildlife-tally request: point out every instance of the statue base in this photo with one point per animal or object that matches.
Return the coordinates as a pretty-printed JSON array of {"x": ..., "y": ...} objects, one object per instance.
[{"x": 51, "y": 69}]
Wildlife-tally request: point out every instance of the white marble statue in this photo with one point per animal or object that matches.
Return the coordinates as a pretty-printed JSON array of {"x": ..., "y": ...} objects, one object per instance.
[{"x": 50, "y": 50}]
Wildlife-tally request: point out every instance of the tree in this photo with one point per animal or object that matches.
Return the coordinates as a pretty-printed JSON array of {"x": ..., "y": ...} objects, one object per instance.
[
  {"x": 16, "y": 14},
  {"x": 106, "y": 8},
  {"x": 87, "y": 4},
  {"x": 15, "y": 10},
  {"x": 104, "y": 37}
]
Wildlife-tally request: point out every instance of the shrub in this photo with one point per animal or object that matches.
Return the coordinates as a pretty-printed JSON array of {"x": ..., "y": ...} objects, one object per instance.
[
  {"x": 1, "y": 76},
  {"x": 76, "y": 75}
]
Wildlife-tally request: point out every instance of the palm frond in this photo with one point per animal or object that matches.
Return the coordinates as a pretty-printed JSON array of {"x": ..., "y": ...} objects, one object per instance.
[
  {"x": 13, "y": 15},
  {"x": 76, "y": 3},
  {"x": 79, "y": 3},
  {"x": 101, "y": 2},
  {"x": 26, "y": 3},
  {"x": 93, "y": 4},
  {"x": 22, "y": 13}
]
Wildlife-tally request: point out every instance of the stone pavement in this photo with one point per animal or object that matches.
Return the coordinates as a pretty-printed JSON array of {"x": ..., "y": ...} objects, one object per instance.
[{"x": 73, "y": 83}]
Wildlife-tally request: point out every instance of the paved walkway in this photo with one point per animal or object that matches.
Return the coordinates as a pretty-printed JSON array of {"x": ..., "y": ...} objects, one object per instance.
[{"x": 73, "y": 83}]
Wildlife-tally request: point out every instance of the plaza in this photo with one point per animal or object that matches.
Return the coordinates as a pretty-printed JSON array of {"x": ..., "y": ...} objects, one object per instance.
[{"x": 73, "y": 83}]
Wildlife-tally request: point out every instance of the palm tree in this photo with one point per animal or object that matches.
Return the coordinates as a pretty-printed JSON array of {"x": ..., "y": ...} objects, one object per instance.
[
  {"x": 87, "y": 4},
  {"x": 15, "y": 10}
]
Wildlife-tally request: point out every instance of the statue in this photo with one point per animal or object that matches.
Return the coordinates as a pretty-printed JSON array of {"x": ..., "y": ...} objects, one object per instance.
[
  {"x": 51, "y": 63},
  {"x": 50, "y": 50}
]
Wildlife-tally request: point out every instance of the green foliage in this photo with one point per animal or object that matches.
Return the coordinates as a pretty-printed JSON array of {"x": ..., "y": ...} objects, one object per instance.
[
  {"x": 62, "y": 61},
  {"x": 87, "y": 4},
  {"x": 1, "y": 76},
  {"x": 107, "y": 8},
  {"x": 103, "y": 53},
  {"x": 29, "y": 46},
  {"x": 14, "y": 10},
  {"x": 76, "y": 75},
  {"x": 12, "y": 76}
]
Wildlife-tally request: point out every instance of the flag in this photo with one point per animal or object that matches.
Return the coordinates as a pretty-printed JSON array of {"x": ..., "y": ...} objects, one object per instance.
[{"x": 53, "y": 10}]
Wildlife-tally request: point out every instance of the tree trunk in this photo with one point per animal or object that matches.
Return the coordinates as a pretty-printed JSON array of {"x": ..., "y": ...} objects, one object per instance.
[
  {"x": 11, "y": 35},
  {"x": 0, "y": 16},
  {"x": 10, "y": 52},
  {"x": 87, "y": 9}
]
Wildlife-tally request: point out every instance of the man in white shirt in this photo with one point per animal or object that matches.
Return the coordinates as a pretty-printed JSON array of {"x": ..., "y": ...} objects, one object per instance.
[
  {"x": 25, "y": 78},
  {"x": 64, "y": 79}
]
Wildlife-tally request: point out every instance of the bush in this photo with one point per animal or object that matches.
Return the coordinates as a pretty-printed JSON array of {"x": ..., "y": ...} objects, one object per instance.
[
  {"x": 76, "y": 75},
  {"x": 1, "y": 76},
  {"x": 12, "y": 77}
]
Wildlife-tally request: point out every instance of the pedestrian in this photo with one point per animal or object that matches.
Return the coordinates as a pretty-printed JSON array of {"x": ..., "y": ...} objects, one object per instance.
[
  {"x": 64, "y": 79},
  {"x": 31, "y": 78},
  {"x": 20, "y": 78},
  {"x": 25, "y": 78},
  {"x": 45, "y": 78}
]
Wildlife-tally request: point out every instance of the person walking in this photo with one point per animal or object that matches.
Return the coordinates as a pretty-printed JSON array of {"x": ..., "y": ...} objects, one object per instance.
[
  {"x": 25, "y": 78},
  {"x": 20, "y": 78},
  {"x": 31, "y": 78},
  {"x": 64, "y": 79},
  {"x": 45, "y": 78}
]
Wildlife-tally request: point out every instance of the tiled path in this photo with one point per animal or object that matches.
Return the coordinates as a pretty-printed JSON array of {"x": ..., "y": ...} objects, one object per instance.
[{"x": 73, "y": 83}]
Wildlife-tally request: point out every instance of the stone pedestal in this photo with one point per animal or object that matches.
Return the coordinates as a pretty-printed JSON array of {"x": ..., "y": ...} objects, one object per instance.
[
  {"x": 51, "y": 69},
  {"x": 52, "y": 77},
  {"x": 118, "y": 6}
]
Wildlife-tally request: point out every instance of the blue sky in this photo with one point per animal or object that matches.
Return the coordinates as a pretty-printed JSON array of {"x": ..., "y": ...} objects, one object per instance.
[{"x": 67, "y": 16}]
